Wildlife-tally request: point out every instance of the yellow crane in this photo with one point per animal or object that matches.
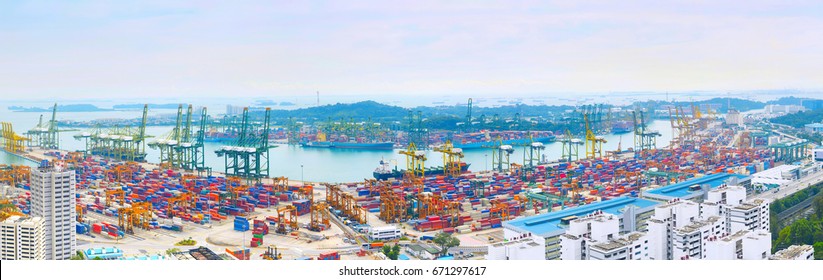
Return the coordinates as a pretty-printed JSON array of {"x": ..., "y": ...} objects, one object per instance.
[
  {"x": 138, "y": 215},
  {"x": 320, "y": 217},
  {"x": 594, "y": 143},
  {"x": 451, "y": 159},
  {"x": 116, "y": 194},
  {"x": 415, "y": 165},
  {"x": 12, "y": 142}
]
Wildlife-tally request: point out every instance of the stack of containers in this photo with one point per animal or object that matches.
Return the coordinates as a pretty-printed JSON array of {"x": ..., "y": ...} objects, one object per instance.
[
  {"x": 241, "y": 223},
  {"x": 303, "y": 206},
  {"x": 329, "y": 256}
]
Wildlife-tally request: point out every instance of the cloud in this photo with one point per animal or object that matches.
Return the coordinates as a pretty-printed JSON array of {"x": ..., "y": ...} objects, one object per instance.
[{"x": 426, "y": 48}]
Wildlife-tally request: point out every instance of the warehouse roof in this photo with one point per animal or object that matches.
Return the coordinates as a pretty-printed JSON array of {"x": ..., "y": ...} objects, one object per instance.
[
  {"x": 681, "y": 190},
  {"x": 549, "y": 224}
]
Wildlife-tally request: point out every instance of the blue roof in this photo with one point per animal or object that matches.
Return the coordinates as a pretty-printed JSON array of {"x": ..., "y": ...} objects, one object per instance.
[
  {"x": 446, "y": 258},
  {"x": 104, "y": 253},
  {"x": 681, "y": 190},
  {"x": 550, "y": 222}
]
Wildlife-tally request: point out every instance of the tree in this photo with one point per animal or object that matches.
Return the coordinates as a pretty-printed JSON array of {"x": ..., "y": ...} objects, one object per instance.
[
  {"x": 395, "y": 251},
  {"x": 818, "y": 250},
  {"x": 818, "y": 206},
  {"x": 78, "y": 256},
  {"x": 386, "y": 251},
  {"x": 446, "y": 241}
]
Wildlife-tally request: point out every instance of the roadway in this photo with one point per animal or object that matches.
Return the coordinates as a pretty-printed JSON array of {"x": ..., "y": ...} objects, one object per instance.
[{"x": 792, "y": 187}]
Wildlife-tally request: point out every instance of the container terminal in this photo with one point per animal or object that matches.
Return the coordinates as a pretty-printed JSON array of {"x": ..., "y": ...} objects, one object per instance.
[{"x": 127, "y": 208}]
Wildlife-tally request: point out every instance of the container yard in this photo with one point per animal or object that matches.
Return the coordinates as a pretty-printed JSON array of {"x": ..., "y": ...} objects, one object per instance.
[{"x": 143, "y": 205}]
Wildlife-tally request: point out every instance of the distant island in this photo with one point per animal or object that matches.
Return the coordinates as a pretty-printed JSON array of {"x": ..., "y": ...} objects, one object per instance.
[
  {"x": 273, "y": 103},
  {"x": 61, "y": 108},
  {"x": 140, "y": 106}
]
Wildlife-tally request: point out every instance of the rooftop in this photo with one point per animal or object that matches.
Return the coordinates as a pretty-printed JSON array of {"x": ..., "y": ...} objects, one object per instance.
[
  {"x": 735, "y": 236},
  {"x": 793, "y": 252},
  {"x": 525, "y": 241},
  {"x": 549, "y": 224},
  {"x": 681, "y": 190},
  {"x": 815, "y": 125},
  {"x": 749, "y": 205},
  {"x": 696, "y": 225},
  {"x": 618, "y": 243}
]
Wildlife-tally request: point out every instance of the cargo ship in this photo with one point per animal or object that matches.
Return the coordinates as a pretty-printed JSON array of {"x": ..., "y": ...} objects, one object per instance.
[
  {"x": 344, "y": 142},
  {"x": 384, "y": 171},
  {"x": 349, "y": 145},
  {"x": 469, "y": 141},
  {"x": 622, "y": 127}
]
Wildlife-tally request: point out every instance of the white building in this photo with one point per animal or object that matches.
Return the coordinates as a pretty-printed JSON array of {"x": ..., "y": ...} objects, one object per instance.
[
  {"x": 742, "y": 245},
  {"x": 384, "y": 233},
  {"x": 22, "y": 238},
  {"x": 751, "y": 215},
  {"x": 529, "y": 248},
  {"x": 661, "y": 226},
  {"x": 690, "y": 241},
  {"x": 730, "y": 203},
  {"x": 783, "y": 109},
  {"x": 597, "y": 236},
  {"x": 632, "y": 246},
  {"x": 776, "y": 176},
  {"x": 52, "y": 198},
  {"x": 795, "y": 252},
  {"x": 733, "y": 117}
]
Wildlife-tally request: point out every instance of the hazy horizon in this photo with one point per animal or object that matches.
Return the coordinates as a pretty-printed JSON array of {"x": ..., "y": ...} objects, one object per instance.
[{"x": 273, "y": 49}]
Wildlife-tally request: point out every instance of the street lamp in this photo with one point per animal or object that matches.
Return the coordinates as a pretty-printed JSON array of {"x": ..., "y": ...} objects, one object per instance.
[
  {"x": 486, "y": 156},
  {"x": 301, "y": 176}
]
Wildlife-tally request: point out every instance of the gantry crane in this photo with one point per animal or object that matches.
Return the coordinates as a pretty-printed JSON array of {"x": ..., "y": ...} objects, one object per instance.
[
  {"x": 416, "y": 132},
  {"x": 248, "y": 156},
  {"x": 123, "y": 173},
  {"x": 138, "y": 215},
  {"x": 532, "y": 153},
  {"x": 320, "y": 217},
  {"x": 46, "y": 135},
  {"x": 13, "y": 142},
  {"x": 594, "y": 144},
  {"x": 119, "y": 143},
  {"x": 452, "y": 166},
  {"x": 393, "y": 207},
  {"x": 501, "y": 155},
  {"x": 184, "y": 201},
  {"x": 115, "y": 195},
  {"x": 644, "y": 140},
  {"x": 571, "y": 147},
  {"x": 80, "y": 212},
  {"x": 170, "y": 156},
  {"x": 286, "y": 216},
  {"x": 235, "y": 187},
  {"x": 415, "y": 165},
  {"x": 14, "y": 174}
]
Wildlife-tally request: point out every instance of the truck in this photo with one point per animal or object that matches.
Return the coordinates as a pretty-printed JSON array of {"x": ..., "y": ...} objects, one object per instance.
[
  {"x": 426, "y": 237},
  {"x": 373, "y": 245}
]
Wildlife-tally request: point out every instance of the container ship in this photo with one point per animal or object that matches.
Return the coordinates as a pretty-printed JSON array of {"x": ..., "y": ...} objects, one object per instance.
[
  {"x": 622, "y": 127},
  {"x": 489, "y": 139},
  {"x": 384, "y": 171},
  {"x": 344, "y": 142},
  {"x": 349, "y": 145}
]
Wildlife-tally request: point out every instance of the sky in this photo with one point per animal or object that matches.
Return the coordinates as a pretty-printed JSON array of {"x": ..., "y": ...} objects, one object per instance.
[{"x": 208, "y": 49}]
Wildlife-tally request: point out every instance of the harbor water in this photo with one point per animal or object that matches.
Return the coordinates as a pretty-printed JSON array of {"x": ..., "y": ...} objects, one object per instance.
[{"x": 310, "y": 164}]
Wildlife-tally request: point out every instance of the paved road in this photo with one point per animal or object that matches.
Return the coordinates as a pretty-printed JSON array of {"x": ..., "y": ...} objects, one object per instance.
[{"x": 793, "y": 187}]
